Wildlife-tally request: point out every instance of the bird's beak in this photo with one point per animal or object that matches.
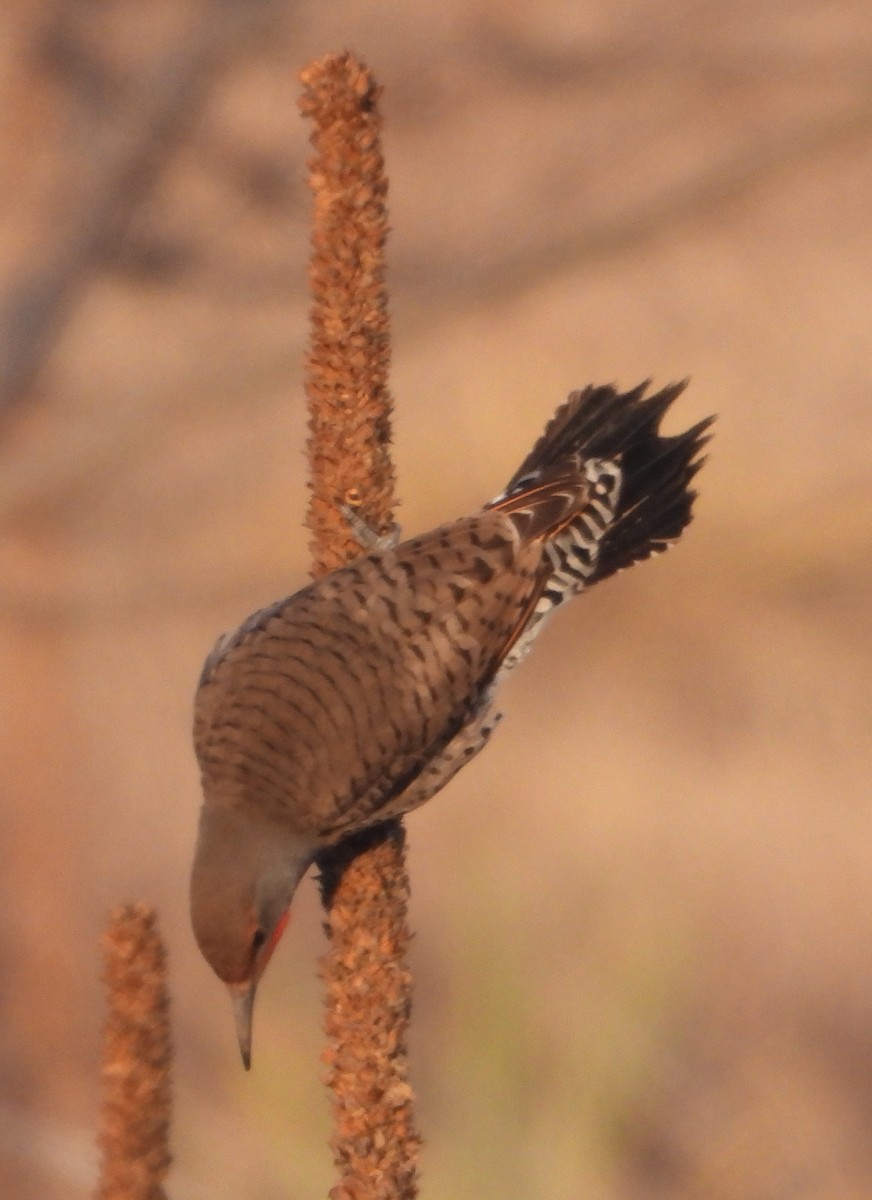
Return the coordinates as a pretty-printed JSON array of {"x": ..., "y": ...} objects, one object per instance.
[{"x": 242, "y": 996}]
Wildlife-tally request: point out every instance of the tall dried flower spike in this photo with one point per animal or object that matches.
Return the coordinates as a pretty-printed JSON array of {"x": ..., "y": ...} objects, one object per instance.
[
  {"x": 135, "y": 1118},
  {"x": 347, "y": 365},
  {"x": 368, "y": 986}
]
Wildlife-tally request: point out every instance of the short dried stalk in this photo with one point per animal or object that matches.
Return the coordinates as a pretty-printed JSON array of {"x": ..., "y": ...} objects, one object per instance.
[{"x": 135, "y": 1119}]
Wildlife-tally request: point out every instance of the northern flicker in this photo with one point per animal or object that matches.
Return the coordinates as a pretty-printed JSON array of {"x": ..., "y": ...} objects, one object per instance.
[{"x": 360, "y": 696}]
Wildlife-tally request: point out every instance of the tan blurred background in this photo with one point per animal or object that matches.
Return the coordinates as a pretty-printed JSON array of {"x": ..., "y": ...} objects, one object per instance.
[{"x": 644, "y": 917}]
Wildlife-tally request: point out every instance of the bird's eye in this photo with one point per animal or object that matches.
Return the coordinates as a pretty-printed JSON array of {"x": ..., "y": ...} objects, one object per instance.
[{"x": 258, "y": 940}]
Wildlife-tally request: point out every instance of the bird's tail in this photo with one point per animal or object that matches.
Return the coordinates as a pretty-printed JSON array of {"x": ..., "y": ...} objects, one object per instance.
[
  {"x": 602, "y": 490},
  {"x": 655, "y": 500}
]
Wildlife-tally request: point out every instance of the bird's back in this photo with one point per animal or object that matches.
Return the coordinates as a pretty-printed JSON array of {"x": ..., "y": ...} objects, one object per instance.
[{"x": 325, "y": 705}]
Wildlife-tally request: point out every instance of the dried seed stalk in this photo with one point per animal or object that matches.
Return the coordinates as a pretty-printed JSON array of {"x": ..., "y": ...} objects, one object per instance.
[
  {"x": 135, "y": 1119},
  {"x": 365, "y": 887}
]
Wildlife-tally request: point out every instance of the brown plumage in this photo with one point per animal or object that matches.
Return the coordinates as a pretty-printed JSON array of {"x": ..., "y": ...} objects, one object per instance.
[{"x": 357, "y": 698}]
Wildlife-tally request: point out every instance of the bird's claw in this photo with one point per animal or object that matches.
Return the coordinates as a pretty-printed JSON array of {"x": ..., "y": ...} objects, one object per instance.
[{"x": 367, "y": 537}]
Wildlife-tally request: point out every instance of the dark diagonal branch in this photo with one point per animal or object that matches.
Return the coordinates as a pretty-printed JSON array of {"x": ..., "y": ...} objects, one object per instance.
[{"x": 131, "y": 151}]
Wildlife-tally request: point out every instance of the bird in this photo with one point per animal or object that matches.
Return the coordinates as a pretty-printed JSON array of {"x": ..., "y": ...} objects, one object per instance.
[{"x": 357, "y": 698}]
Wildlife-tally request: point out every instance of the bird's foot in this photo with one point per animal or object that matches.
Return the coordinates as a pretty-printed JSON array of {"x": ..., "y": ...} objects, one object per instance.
[{"x": 367, "y": 537}]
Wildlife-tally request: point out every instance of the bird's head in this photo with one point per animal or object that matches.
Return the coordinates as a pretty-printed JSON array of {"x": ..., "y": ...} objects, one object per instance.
[{"x": 244, "y": 876}]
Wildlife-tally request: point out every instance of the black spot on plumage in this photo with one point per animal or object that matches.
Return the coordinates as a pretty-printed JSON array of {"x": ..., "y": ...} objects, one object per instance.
[{"x": 481, "y": 570}]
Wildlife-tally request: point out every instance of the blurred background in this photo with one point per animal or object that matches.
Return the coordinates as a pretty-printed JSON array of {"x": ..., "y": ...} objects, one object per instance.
[{"x": 644, "y": 917}]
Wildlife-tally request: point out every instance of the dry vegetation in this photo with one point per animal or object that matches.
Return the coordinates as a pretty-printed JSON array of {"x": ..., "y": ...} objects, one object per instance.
[
  {"x": 364, "y": 882},
  {"x": 137, "y": 1052},
  {"x": 643, "y": 917}
]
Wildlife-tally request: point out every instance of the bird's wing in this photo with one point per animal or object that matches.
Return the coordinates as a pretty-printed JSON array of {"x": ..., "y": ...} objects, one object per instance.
[
  {"x": 325, "y": 705},
  {"x": 437, "y": 613}
]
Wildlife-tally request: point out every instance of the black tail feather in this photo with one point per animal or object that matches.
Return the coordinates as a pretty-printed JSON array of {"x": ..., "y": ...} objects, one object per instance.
[{"x": 656, "y": 499}]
